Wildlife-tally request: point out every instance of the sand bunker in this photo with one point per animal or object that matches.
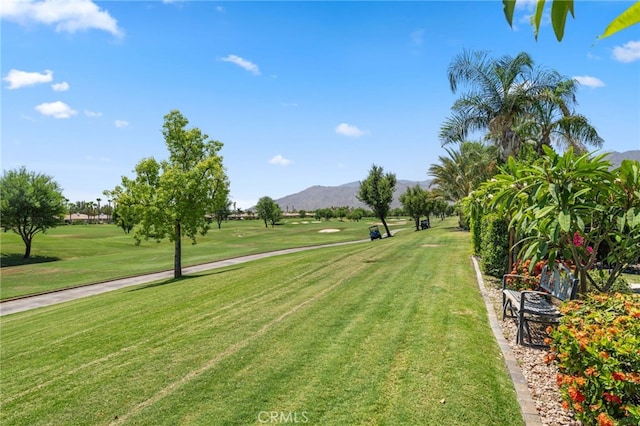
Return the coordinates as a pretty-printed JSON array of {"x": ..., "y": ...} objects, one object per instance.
[{"x": 329, "y": 230}]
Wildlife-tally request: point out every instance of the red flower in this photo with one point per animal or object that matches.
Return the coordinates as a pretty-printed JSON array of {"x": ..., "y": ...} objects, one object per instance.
[
  {"x": 578, "y": 240},
  {"x": 575, "y": 394},
  {"x": 612, "y": 398}
]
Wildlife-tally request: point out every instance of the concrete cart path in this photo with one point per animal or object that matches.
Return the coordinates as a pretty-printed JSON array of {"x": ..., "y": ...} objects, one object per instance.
[{"x": 37, "y": 301}]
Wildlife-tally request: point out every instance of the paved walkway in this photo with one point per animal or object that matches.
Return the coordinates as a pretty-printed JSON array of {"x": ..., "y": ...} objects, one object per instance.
[{"x": 37, "y": 301}]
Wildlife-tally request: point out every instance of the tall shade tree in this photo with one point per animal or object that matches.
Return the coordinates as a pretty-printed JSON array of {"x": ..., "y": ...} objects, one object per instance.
[
  {"x": 30, "y": 203},
  {"x": 269, "y": 211},
  {"x": 415, "y": 202},
  {"x": 172, "y": 197},
  {"x": 376, "y": 191}
]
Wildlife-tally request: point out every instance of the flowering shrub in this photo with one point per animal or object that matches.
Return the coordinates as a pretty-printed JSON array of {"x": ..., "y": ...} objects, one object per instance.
[
  {"x": 530, "y": 277},
  {"x": 597, "y": 350}
]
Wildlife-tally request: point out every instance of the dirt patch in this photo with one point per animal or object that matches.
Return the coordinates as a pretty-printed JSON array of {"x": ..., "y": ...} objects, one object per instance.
[
  {"x": 329, "y": 230},
  {"x": 430, "y": 245}
]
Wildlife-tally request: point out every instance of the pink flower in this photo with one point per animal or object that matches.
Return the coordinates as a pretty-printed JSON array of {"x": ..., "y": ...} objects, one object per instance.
[{"x": 578, "y": 240}]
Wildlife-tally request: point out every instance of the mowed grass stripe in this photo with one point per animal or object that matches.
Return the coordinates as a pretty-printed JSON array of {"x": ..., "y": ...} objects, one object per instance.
[
  {"x": 170, "y": 315},
  {"x": 370, "y": 333}
]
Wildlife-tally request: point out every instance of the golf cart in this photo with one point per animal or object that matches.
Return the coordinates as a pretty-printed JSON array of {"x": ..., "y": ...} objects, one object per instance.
[{"x": 374, "y": 233}]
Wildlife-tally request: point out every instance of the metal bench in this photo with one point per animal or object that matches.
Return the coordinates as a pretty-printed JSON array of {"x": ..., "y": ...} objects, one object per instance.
[{"x": 532, "y": 306}]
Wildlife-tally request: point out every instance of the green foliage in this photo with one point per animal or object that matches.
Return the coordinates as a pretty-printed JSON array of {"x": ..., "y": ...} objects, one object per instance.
[
  {"x": 560, "y": 10},
  {"x": 596, "y": 350},
  {"x": 376, "y": 191},
  {"x": 495, "y": 245},
  {"x": 171, "y": 198},
  {"x": 269, "y": 211},
  {"x": 415, "y": 202},
  {"x": 30, "y": 203},
  {"x": 568, "y": 207}
]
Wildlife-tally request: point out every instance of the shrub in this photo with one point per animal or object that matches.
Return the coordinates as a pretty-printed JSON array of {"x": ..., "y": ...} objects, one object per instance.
[
  {"x": 495, "y": 245},
  {"x": 597, "y": 350}
]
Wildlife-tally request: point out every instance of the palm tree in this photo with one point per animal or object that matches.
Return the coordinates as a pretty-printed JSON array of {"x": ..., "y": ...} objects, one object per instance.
[
  {"x": 501, "y": 97},
  {"x": 98, "y": 200},
  {"x": 462, "y": 171},
  {"x": 552, "y": 120}
]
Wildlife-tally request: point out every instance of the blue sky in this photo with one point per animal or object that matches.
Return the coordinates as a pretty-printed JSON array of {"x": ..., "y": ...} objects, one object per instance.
[{"x": 300, "y": 93}]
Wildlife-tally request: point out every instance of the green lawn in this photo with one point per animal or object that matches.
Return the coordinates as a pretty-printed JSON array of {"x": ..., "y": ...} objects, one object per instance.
[
  {"x": 388, "y": 332},
  {"x": 80, "y": 254}
]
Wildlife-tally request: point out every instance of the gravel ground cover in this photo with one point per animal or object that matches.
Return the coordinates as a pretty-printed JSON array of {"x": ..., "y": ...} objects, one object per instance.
[{"x": 541, "y": 377}]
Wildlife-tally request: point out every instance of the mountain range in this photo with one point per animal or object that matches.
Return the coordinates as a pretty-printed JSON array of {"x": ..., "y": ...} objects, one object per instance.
[{"x": 317, "y": 197}]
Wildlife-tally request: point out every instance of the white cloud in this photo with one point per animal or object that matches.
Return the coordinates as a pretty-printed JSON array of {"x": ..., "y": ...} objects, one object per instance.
[
  {"x": 56, "y": 109},
  {"x": 243, "y": 63},
  {"x": 60, "y": 87},
  {"x": 349, "y": 130},
  {"x": 18, "y": 79},
  {"x": 121, "y": 123},
  {"x": 628, "y": 52},
  {"x": 279, "y": 160},
  {"x": 589, "y": 81},
  {"x": 92, "y": 113},
  {"x": 67, "y": 15}
]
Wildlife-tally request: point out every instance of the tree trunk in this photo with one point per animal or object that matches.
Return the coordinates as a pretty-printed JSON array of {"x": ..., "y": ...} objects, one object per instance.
[
  {"x": 386, "y": 227},
  {"x": 582, "y": 275},
  {"x": 27, "y": 248},
  {"x": 177, "y": 255}
]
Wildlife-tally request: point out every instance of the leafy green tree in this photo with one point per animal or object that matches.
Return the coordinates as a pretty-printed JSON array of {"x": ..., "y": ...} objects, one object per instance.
[
  {"x": 414, "y": 201},
  {"x": 357, "y": 214},
  {"x": 376, "y": 191},
  {"x": 269, "y": 211},
  {"x": 222, "y": 213},
  {"x": 560, "y": 9},
  {"x": 172, "y": 197},
  {"x": 571, "y": 207},
  {"x": 30, "y": 203}
]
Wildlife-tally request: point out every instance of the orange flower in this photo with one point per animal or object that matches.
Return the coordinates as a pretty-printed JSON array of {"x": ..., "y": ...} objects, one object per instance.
[
  {"x": 584, "y": 342},
  {"x": 565, "y": 405},
  {"x": 604, "y": 355},
  {"x": 547, "y": 341},
  {"x": 590, "y": 371},
  {"x": 575, "y": 394},
  {"x": 580, "y": 381},
  {"x": 559, "y": 379},
  {"x": 634, "y": 377},
  {"x": 618, "y": 375},
  {"x": 578, "y": 408},
  {"x": 604, "y": 420}
]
